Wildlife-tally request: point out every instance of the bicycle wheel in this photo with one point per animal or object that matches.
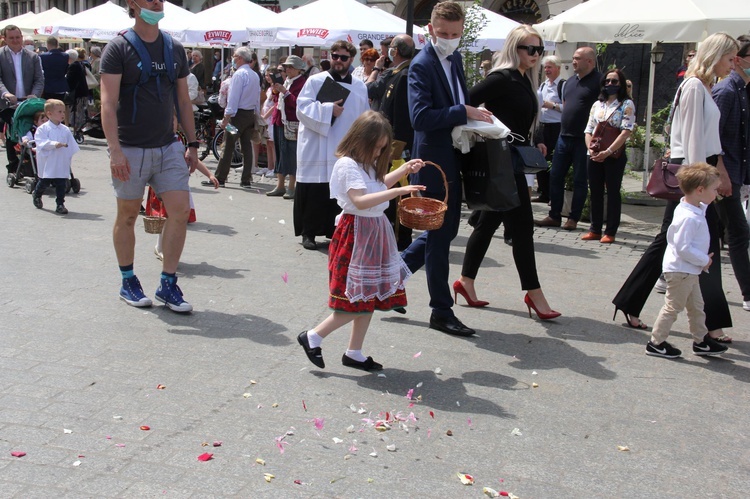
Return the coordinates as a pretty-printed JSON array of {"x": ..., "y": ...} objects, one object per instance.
[{"x": 217, "y": 149}]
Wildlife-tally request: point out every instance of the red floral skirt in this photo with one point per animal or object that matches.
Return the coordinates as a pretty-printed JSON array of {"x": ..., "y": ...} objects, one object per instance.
[
  {"x": 339, "y": 257},
  {"x": 155, "y": 208}
]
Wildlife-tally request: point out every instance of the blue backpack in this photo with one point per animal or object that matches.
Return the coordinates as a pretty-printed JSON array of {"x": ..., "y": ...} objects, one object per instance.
[{"x": 147, "y": 69}]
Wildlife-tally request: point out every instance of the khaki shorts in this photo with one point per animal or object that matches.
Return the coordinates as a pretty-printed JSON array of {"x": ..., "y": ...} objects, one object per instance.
[{"x": 163, "y": 168}]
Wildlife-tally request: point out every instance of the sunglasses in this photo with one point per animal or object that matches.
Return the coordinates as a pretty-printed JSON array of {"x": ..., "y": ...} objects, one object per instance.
[
  {"x": 342, "y": 58},
  {"x": 533, "y": 49},
  {"x": 611, "y": 81}
]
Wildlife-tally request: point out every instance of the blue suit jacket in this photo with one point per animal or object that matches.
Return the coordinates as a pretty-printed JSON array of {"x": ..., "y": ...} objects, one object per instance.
[
  {"x": 55, "y": 66},
  {"x": 433, "y": 116}
]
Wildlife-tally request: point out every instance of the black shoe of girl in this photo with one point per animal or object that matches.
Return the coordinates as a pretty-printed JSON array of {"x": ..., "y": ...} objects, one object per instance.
[
  {"x": 314, "y": 354},
  {"x": 366, "y": 365}
]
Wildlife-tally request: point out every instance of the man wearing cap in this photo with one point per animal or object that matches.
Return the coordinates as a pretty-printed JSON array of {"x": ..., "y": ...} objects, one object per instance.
[{"x": 322, "y": 126}]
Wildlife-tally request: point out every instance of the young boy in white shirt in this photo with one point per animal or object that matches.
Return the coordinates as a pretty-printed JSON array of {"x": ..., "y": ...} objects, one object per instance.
[
  {"x": 55, "y": 146},
  {"x": 686, "y": 257}
]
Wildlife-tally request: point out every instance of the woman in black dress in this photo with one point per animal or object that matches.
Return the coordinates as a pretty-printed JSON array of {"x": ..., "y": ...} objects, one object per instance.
[{"x": 509, "y": 92}]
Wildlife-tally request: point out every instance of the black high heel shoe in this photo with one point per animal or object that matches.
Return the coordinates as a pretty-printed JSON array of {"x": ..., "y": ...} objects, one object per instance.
[{"x": 629, "y": 321}]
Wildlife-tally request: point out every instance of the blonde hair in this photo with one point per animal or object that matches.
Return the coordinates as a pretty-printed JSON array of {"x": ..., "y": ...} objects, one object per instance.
[
  {"x": 507, "y": 58},
  {"x": 51, "y": 104},
  {"x": 696, "y": 175},
  {"x": 709, "y": 53},
  {"x": 362, "y": 139}
]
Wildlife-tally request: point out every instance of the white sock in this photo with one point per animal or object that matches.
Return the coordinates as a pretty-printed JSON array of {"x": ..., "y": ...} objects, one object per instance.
[
  {"x": 313, "y": 339},
  {"x": 356, "y": 355}
]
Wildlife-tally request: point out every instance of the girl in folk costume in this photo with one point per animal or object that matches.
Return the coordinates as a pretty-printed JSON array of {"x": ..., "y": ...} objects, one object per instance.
[{"x": 366, "y": 272}]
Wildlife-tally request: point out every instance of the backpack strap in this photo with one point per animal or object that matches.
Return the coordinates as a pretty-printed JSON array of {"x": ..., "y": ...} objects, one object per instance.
[{"x": 147, "y": 69}]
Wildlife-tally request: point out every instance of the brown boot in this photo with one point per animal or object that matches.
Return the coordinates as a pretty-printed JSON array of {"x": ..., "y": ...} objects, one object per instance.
[
  {"x": 570, "y": 224},
  {"x": 547, "y": 222}
]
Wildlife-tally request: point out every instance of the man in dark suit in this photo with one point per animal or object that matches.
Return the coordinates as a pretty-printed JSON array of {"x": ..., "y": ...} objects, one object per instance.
[
  {"x": 55, "y": 65},
  {"x": 437, "y": 103},
  {"x": 391, "y": 91},
  {"x": 15, "y": 62}
]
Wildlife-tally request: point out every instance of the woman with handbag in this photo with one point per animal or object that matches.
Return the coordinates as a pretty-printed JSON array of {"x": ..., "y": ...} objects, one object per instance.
[
  {"x": 611, "y": 121},
  {"x": 509, "y": 91},
  {"x": 694, "y": 138}
]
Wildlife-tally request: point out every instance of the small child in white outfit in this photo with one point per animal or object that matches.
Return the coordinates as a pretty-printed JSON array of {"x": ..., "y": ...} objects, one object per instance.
[
  {"x": 686, "y": 257},
  {"x": 55, "y": 147}
]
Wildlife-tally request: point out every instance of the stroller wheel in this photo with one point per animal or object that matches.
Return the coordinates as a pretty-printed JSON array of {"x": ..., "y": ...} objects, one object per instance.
[
  {"x": 30, "y": 185},
  {"x": 78, "y": 136},
  {"x": 11, "y": 179},
  {"x": 67, "y": 186},
  {"x": 75, "y": 184}
]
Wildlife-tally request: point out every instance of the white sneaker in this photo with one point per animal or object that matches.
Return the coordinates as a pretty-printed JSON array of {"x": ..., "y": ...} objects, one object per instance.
[
  {"x": 262, "y": 171},
  {"x": 661, "y": 285},
  {"x": 159, "y": 254},
  {"x": 746, "y": 305},
  {"x": 270, "y": 174},
  {"x": 239, "y": 169}
]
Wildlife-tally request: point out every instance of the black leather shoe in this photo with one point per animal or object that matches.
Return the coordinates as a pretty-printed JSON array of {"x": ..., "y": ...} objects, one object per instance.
[
  {"x": 400, "y": 310},
  {"x": 211, "y": 184},
  {"x": 450, "y": 325},
  {"x": 367, "y": 365},
  {"x": 314, "y": 354},
  {"x": 309, "y": 243},
  {"x": 246, "y": 185}
]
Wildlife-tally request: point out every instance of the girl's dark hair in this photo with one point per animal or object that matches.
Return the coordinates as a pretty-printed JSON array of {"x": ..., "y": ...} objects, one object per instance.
[
  {"x": 622, "y": 94},
  {"x": 362, "y": 139}
]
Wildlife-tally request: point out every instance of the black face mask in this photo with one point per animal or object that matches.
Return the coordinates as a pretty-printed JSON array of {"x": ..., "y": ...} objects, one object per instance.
[{"x": 612, "y": 89}]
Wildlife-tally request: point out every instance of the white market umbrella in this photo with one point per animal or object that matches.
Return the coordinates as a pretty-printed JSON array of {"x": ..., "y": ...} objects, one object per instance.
[
  {"x": 494, "y": 33},
  {"x": 17, "y": 20},
  {"x": 321, "y": 23},
  {"x": 419, "y": 34},
  {"x": 105, "y": 21},
  {"x": 227, "y": 24},
  {"x": 648, "y": 21},
  {"x": 50, "y": 16}
]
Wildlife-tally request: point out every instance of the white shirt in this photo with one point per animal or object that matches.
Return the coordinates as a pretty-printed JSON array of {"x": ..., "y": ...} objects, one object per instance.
[
  {"x": 18, "y": 67},
  {"x": 318, "y": 139},
  {"x": 244, "y": 91},
  {"x": 193, "y": 89},
  {"x": 349, "y": 175},
  {"x": 695, "y": 124},
  {"x": 687, "y": 240},
  {"x": 447, "y": 69},
  {"x": 54, "y": 162},
  {"x": 548, "y": 92}
]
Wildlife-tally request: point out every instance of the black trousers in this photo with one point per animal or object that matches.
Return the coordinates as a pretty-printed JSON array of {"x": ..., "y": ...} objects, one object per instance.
[
  {"x": 550, "y": 133},
  {"x": 519, "y": 224},
  {"x": 607, "y": 174},
  {"x": 733, "y": 217},
  {"x": 10, "y": 147},
  {"x": 633, "y": 295}
]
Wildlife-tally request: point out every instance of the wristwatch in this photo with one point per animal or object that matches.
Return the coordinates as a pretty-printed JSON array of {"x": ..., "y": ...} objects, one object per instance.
[{"x": 194, "y": 145}]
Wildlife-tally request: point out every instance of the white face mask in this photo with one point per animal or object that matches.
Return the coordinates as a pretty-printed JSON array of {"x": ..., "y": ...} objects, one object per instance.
[
  {"x": 30, "y": 48},
  {"x": 391, "y": 53},
  {"x": 446, "y": 47}
]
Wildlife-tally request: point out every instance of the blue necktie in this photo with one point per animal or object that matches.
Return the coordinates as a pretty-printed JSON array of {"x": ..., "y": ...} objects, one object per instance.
[{"x": 455, "y": 80}]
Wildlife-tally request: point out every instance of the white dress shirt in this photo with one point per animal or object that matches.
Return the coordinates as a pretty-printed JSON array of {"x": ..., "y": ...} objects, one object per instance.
[
  {"x": 548, "y": 92},
  {"x": 244, "y": 91},
  {"x": 19, "y": 91},
  {"x": 695, "y": 124},
  {"x": 687, "y": 240}
]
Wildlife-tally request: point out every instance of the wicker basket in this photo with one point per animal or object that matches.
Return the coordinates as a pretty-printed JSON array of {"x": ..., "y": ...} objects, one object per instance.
[
  {"x": 154, "y": 225},
  {"x": 423, "y": 213}
]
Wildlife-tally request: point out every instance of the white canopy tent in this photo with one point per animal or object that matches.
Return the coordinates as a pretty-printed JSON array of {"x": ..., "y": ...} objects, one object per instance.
[
  {"x": 227, "y": 24},
  {"x": 50, "y": 16},
  {"x": 16, "y": 20},
  {"x": 492, "y": 36},
  {"x": 648, "y": 21},
  {"x": 105, "y": 21},
  {"x": 320, "y": 23}
]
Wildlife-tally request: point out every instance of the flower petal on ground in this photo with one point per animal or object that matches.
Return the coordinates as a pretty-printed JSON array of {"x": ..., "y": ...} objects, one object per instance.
[
  {"x": 17, "y": 453},
  {"x": 206, "y": 456},
  {"x": 465, "y": 478}
]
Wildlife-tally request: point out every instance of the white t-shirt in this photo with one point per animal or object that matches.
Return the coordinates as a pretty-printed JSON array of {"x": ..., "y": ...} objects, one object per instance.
[{"x": 347, "y": 175}]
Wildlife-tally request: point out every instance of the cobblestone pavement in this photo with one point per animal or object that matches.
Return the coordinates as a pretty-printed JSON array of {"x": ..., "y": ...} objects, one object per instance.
[{"x": 537, "y": 409}]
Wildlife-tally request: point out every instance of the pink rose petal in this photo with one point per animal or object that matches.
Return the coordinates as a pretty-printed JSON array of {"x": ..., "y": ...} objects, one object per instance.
[
  {"x": 418, "y": 354},
  {"x": 206, "y": 456},
  {"x": 285, "y": 277},
  {"x": 17, "y": 453},
  {"x": 319, "y": 422}
]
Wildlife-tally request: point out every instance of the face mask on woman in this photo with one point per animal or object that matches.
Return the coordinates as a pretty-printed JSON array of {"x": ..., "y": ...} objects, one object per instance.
[{"x": 612, "y": 89}]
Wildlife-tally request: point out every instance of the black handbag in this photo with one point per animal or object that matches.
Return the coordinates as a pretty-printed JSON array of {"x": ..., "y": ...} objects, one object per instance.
[
  {"x": 489, "y": 180},
  {"x": 528, "y": 159}
]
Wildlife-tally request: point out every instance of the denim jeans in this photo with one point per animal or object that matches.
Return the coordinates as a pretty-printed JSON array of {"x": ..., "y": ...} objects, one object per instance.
[{"x": 568, "y": 151}]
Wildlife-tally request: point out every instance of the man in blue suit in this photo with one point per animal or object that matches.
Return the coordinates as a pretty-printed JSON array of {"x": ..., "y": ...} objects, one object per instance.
[{"x": 437, "y": 103}]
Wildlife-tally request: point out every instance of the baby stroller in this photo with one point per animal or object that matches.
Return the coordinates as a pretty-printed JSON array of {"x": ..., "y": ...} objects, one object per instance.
[
  {"x": 23, "y": 120},
  {"x": 92, "y": 127}
]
